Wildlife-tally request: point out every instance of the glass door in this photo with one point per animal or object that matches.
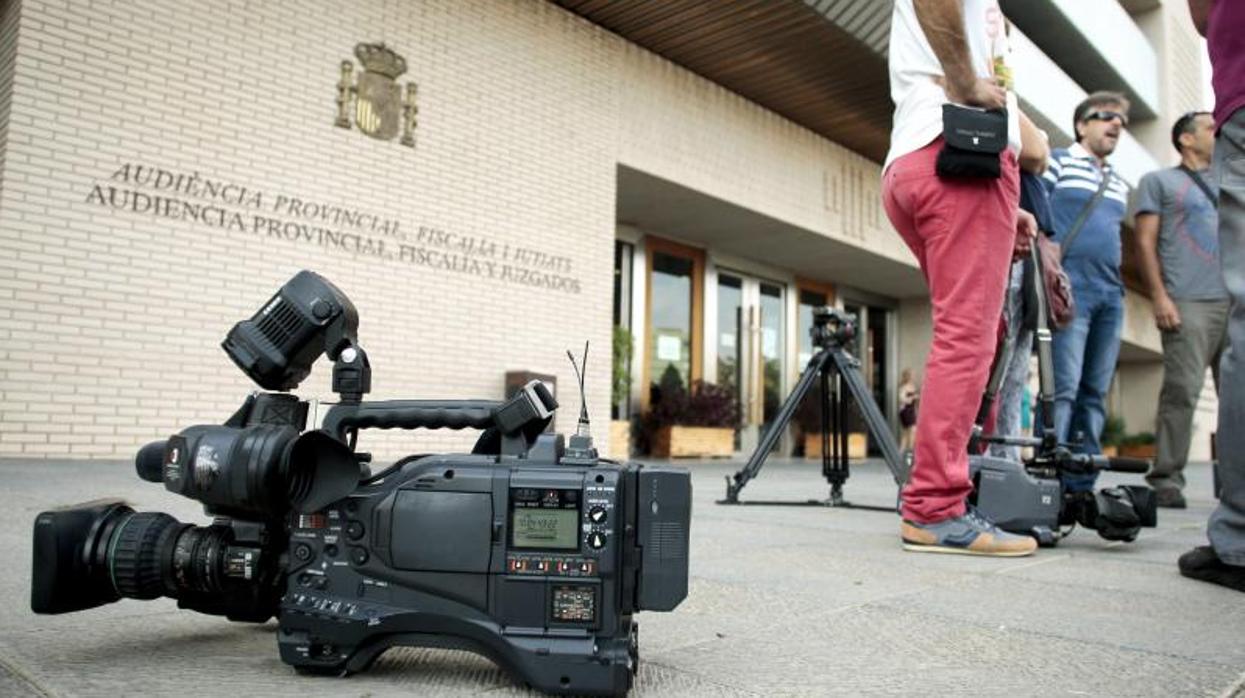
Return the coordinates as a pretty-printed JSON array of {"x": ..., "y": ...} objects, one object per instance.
[
  {"x": 730, "y": 344},
  {"x": 751, "y": 349},
  {"x": 672, "y": 359},
  {"x": 873, "y": 348}
]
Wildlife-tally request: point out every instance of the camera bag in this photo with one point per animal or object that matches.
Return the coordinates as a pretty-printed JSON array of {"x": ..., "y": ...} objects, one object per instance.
[
  {"x": 1059, "y": 296},
  {"x": 972, "y": 140}
]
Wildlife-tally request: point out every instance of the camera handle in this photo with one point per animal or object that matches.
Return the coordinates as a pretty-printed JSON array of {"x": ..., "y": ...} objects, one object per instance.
[
  {"x": 517, "y": 420},
  {"x": 1063, "y": 459}
]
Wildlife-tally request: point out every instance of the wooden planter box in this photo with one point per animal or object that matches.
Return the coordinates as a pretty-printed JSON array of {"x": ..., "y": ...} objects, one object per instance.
[
  {"x": 1110, "y": 451},
  {"x": 620, "y": 439},
  {"x": 857, "y": 445},
  {"x": 1139, "y": 451},
  {"x": 693, "y": 442}
]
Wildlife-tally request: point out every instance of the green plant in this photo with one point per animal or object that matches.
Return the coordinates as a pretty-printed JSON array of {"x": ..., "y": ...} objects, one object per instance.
[
  {"x": 1112, "y": 432},
  {"x": 705, "y": 405},
  {"x": 620, "y": 385},
  {"x": 1143, "y": 438}
]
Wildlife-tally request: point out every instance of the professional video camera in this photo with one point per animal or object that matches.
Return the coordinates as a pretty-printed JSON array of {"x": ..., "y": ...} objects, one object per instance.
[
  {"x": 530, "y": 551},
  {"x": 1022, "y": 497},
  {"x": 1030, "y": 497}
]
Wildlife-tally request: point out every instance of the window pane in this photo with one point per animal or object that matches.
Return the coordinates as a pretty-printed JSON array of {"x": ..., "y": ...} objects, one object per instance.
[
  {"x": 621, "y": 368},
  {"x": 622, "y": 283},
  {"x": 672, "y": 322},
  {"x": 809, "y": 300},
  {"x": 730, "y": 333},
  {"x": 772, "y": 340}
]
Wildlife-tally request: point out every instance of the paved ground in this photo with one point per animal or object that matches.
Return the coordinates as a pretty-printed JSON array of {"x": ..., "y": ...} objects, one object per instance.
[{"x": 784, "y": 600}]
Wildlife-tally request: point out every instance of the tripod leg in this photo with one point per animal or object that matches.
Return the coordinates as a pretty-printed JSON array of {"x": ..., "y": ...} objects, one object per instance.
[
  {"x": 848, "y": 367},
  {"x": 1045, "y": 352},
  {"x": 1002, "y": 358},
  {"x": 757, "y": 460}
]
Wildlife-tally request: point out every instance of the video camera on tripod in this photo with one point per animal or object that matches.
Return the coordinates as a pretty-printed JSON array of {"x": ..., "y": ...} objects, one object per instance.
[
  {"x": 1022, "y": 497},
  {"x": 835, "y": 371}
]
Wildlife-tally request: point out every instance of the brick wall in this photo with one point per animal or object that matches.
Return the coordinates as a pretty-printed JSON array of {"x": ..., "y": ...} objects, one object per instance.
[{"x": 112, "y": 319}]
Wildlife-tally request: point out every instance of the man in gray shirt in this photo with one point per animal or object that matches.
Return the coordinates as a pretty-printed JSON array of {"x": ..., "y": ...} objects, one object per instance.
[{"x": 1178, "y": 245}]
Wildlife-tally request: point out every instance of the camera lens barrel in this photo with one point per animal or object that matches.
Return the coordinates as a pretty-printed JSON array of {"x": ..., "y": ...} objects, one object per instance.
[
  {"x": 199, "y": 561},
  {"x": 100, "y": 552},
  {"x": 134, "y": 559}
]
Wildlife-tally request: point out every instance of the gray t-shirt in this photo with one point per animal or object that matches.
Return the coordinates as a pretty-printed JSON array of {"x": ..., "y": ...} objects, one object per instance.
[{"x": 1188, "y": 233}]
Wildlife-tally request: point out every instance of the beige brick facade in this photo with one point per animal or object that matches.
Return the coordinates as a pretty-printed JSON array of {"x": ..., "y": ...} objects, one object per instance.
[
  {"x": 115, "y": 294},
  {"x": 114, "y": 310},
  {"x": 165, "y": 166}
]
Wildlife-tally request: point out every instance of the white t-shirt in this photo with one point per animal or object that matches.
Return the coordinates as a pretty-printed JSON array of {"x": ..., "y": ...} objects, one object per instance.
[{"x": 914, "y": 67}]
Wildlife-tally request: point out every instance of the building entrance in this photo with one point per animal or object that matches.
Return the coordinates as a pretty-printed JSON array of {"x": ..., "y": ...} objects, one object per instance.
[{"x": 751, "y": 350}]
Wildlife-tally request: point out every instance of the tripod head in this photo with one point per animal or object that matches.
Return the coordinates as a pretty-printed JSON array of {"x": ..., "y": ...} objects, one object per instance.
[{"x": 832, "y": 327}]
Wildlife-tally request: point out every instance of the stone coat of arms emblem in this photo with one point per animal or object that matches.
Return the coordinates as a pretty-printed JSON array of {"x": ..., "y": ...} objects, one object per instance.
[{"x": 380, "y": 109}]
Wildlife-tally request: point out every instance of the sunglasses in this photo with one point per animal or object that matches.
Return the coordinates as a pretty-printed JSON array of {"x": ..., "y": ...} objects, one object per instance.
[{"x": 1107, "y": 116}]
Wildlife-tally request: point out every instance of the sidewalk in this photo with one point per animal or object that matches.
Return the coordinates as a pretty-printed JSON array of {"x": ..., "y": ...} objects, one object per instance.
[{"x": 784, "y": 601}]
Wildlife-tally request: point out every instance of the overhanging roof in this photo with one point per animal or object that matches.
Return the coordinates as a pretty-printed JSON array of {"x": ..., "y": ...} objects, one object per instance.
[
  {"x": 659, "y": 206},
  {"x": 781, "y": 54}
]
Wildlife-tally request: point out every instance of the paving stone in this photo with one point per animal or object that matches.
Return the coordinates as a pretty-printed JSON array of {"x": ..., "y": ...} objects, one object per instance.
[{"x": 784, "y": 600}]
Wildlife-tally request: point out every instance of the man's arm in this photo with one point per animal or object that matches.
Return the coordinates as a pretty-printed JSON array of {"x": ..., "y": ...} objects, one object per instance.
[
  {"x": 1200, "y": 11},
  {"x": 1034, "y": 149},
  {"x": 1026, "y": 232},
  {"x": 1051, "y": 176},
  {"x": 942, "y": 21},
  {"x": 1166, "y": 316}
]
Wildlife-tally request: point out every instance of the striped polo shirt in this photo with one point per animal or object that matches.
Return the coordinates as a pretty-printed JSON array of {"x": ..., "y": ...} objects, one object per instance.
[{"x": 1072, "y": 178}]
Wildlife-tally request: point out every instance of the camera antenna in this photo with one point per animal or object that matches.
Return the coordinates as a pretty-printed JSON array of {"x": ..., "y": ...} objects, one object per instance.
[
  {"x": 583, "y": 429},
  {"x": 580, "y": 449}
]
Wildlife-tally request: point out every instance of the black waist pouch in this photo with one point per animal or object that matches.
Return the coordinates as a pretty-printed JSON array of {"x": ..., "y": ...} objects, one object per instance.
[{"x": 972, "y": 140}]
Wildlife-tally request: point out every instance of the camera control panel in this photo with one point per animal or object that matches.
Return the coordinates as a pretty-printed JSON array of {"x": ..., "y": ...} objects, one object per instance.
[{"x": 558, "y": 532}]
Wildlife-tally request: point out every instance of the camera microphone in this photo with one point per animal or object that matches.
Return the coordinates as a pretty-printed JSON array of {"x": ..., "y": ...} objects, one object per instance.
[{"x": 580, "y": 450}]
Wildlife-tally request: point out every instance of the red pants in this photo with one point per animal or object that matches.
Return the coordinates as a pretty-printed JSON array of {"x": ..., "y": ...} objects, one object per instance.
[{"x": 962, "y": 232}]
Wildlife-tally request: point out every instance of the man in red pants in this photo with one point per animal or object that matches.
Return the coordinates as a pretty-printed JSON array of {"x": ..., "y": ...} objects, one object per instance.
[{"x": 963, "y": 231}]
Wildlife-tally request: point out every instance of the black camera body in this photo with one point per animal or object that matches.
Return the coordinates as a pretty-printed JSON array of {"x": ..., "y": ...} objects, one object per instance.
[
  {"x": 532, "y": 553},
  {"x": 1030, "y": 499},
  {"x": 538, "y": 565}
]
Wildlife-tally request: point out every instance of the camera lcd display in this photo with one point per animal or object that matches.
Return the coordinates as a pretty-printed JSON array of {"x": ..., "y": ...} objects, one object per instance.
[{"x": 545, "y": 529}]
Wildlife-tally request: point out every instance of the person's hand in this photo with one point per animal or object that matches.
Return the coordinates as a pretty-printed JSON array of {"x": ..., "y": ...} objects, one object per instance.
[
  {"x": 1166, "y": 316},
  {"x": 982, "y": 92},
  {"x": 1026, "y": 232}
]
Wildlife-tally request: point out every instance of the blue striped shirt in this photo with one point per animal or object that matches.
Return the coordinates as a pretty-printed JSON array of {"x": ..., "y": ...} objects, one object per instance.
[{"x": 1072, "y": 178}]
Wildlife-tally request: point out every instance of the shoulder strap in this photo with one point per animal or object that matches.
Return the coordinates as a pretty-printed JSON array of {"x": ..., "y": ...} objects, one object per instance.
[
  {"x": 1201, "y": 184},
  {"x": 1089, "y": 207}
]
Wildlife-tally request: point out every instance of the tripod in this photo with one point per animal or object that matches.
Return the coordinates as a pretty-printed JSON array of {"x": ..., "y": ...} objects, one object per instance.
[{"x": 833, "y": 368}]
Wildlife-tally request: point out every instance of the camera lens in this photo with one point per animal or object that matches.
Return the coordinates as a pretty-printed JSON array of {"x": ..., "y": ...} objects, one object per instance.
[
  {"x": 70, "y": 549},
  {"x": 133, "y": 557},
  {"x": 198, "y": 560},
  {"x": 100, "y": 552}
]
